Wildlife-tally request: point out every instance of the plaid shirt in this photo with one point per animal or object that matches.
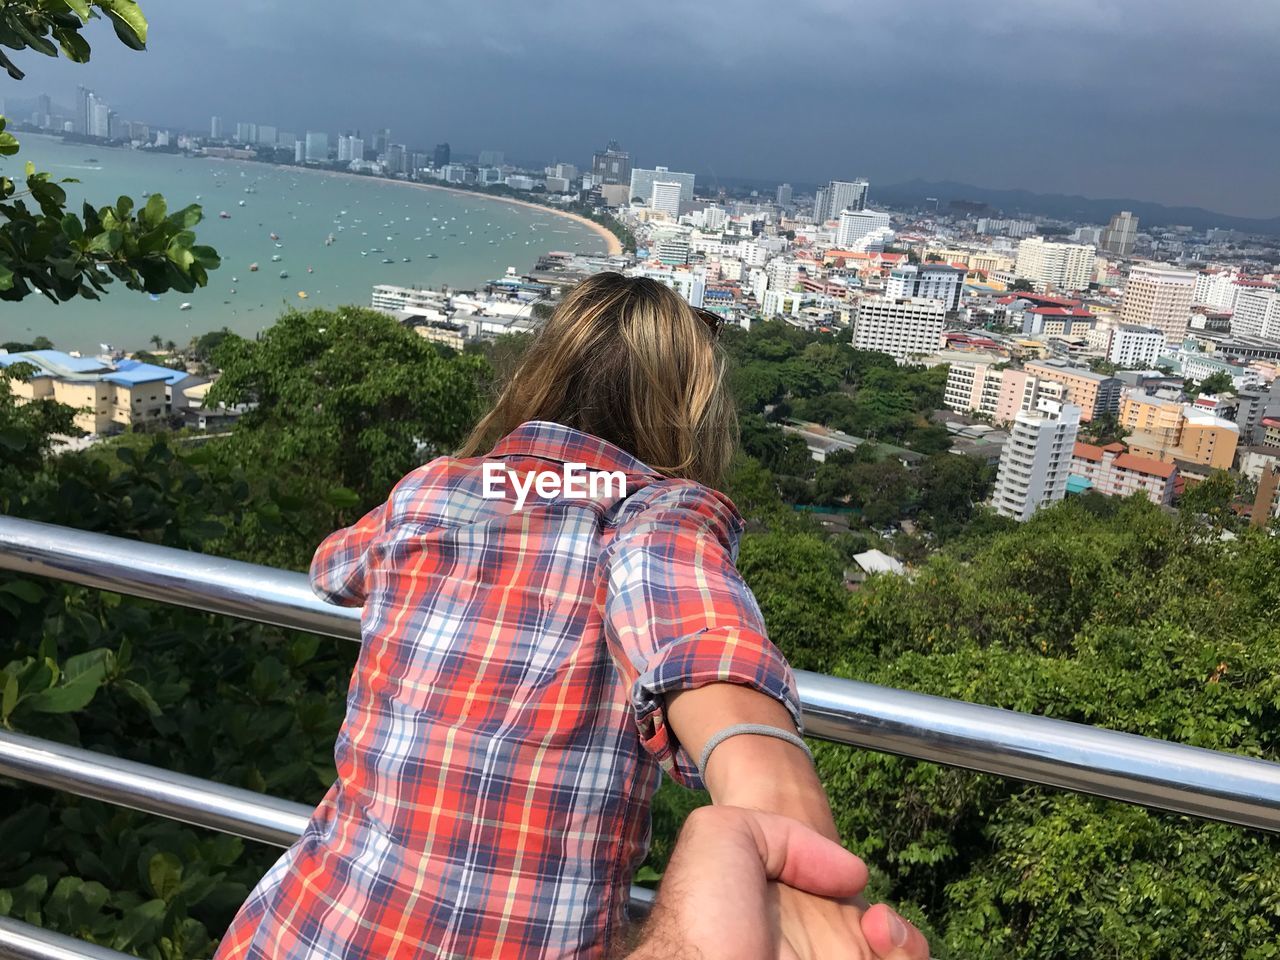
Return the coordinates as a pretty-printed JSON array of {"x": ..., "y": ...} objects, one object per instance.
[{"x": 505, "y": 729}]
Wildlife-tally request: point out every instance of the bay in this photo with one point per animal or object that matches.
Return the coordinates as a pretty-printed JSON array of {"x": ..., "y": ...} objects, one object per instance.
[{"x": 474, "y": 239}]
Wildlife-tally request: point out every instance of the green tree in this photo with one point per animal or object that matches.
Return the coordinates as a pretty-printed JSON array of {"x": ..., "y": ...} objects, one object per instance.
[
  {"x": 1022, "y": 285},
  {"x": 47, "y": 248},
  {"x": 345, "y": 397},
  {"x": 1217, "y": 382}
]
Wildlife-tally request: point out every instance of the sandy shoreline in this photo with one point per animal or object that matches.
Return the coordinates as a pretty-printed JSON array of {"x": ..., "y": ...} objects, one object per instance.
[{"x": 612, "y": 244}]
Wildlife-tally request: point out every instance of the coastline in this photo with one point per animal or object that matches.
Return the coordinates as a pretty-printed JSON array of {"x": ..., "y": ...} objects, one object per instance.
[{"x": 613, "y": 246}]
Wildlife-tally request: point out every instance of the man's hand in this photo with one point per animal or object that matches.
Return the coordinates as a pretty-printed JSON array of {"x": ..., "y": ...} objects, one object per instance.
[{"x": 747, "y": 885}]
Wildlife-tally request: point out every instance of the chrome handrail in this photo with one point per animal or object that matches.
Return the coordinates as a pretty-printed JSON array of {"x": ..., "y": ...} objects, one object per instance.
[
  {"x": 22, "y": 941},
  {"x": 1056, "y": 753},
  {"x": 201, "y": 803}
]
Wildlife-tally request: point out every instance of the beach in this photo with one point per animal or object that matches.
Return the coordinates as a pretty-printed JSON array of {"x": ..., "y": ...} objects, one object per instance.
[{"x": 287, "y": 231}]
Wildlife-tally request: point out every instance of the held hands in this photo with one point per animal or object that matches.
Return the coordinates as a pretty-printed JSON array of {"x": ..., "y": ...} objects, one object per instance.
[{"x": 748, "y": 885}]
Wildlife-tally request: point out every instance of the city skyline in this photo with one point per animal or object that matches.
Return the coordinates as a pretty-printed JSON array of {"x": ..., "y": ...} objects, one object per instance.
[{"x": 1086, "y": 108}]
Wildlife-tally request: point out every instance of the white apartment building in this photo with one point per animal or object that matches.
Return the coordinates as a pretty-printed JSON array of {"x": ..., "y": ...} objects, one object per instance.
[
  {"x": 783, "y": 273},
  {"x": 1257, "y": 313},
  {"x": 643, "y": 182},
  {"x": 690, "y": 284},
  {"x": 1135, "y": 348},
  {"x": 926, "y": 281},
  {"x": 778, "y": 302},
  {"x": 1217, "y": 290},
  {"x": 1036, "y": 460},
  {"x": 904, "y": 329},
  {"x": 665, "y": 197},
  {"x": 856, "y": 225},
  {"x": 1062, "y": 266},
  {"x": 1160, "y": 297}
]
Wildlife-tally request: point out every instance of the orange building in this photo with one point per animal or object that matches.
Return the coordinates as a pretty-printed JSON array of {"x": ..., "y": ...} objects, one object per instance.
[{"x": 1096, "y": 395}]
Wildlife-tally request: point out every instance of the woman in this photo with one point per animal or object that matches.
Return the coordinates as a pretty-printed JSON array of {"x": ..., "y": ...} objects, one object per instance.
[{"x": 530, "y": 665}]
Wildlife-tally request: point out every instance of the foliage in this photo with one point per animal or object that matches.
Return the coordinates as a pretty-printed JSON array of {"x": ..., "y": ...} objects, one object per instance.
[
  {"x": 48, "y": 248},
  {"x": 345, "y": 397}
]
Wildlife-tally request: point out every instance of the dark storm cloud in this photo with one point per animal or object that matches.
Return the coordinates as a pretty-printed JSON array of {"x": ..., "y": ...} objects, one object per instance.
[{"x": 1166, "y": 100}]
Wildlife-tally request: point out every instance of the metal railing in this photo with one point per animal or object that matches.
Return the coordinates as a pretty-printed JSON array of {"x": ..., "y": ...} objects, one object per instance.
[{"x": 1040, "y": 750}]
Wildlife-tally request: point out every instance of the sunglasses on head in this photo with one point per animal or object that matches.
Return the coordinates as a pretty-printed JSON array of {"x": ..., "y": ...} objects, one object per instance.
[{"x": 713, "y": 320}]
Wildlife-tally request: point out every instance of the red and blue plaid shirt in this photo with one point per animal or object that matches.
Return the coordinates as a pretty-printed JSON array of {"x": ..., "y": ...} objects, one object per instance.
[{"x": 505, "y": 729}]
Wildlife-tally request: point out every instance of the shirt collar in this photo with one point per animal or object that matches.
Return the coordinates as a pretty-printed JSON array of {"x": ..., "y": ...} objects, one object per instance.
[{"x": 555, "y": 441}]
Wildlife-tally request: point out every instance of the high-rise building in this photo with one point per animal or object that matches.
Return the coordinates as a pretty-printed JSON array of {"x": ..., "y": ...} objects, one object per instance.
[
  {"x": 783, "y": 198},
  {"x": 1036, "y": 459},
  {"x": 350, "y": 148},
  {"x": 840, "y": 195},
  {"x": 83, "y": 94},
  {"x": 642, "y": 182},
  {"x": 611, "y": 165},
  {"x": 1160, "y": 297},
  {"x": 1061, "y": 266},
  {"x": 299, "y": 151},
  {"x": 215, "y": 128},
  {"x": 267, "y": 135},
  {"x": 1122, "y": 234},
  {"x": 857, "y": 224},
  {"x": 397, "y": 158},
  {"x": 1257, "y": 313},
  {"x": 665, "y": 197},
  {"x": 904, "y": 329},
  {"x": 317, "y": 147},
  {"x": 247, "y": 132},
  {"x": 495, "y": 158},
  {"x": 925, "y": 281},
  {"x": 99, "y": 118},
  {"x": 441, "y": 155},
  {"x": 382, "y": 142}
]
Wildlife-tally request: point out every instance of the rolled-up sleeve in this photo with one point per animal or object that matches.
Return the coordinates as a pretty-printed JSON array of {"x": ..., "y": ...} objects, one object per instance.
[
  {"x": 340, "y": 562},
  {"x": 679, "y": 616}
]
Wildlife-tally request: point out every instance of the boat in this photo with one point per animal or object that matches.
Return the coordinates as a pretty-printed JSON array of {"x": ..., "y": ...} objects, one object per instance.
[
  {"x": 224, "y": 215},
  {"x": 253, "y": 268},
  {"x": 235, "y": 279},
  {"x": 185, "y": 306},
  {"x": 405, "y": 260},
  {"x": 432, "y": 256},
  {"x": 242, "y": 203},
  {"x": 284, "y": 274},
  {"x": 364, "y": 253},
  {"x": 274, "y": 237},
  {"x": 302, "y": 294},
  {"x": 92, "y": 160},
  {"x": 387, "y": 260},
  {"x": 310, "y": 270},
  {"x": 328, "y": 242},
  {"x": 276, "y": 258}
]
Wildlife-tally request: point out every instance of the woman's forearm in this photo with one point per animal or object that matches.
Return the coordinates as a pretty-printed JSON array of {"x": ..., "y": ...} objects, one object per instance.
[{"x": 757, "y": 772}]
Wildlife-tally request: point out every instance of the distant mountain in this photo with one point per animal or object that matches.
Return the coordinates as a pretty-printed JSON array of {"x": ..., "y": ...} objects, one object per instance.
[{"x": 1063, "y": 207}]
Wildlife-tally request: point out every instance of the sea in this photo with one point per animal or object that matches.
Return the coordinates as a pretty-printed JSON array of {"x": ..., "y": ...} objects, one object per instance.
[{"x": 474, "y": 240}]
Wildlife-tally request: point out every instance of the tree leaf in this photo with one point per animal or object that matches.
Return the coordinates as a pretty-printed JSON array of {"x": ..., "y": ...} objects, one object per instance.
[{"x": 164, "y": 873}]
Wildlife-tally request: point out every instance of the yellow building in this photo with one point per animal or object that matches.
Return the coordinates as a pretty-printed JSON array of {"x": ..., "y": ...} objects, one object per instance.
[
  {"x": 1160, "y": 419},
  {"x": 108, "y": 396},
  {"x": 1169, "y": 431}
]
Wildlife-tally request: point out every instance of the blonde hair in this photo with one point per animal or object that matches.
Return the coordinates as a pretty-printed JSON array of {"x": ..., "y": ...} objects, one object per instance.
[{"x": 627, "y": 360}]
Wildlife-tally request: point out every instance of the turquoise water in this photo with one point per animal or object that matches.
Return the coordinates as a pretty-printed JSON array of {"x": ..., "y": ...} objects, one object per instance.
[{"x": 474, "y": 240}]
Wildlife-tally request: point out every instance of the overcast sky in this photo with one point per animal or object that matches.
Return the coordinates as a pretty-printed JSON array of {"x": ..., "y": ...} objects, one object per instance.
[{"x": 1166, "y": 100}]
